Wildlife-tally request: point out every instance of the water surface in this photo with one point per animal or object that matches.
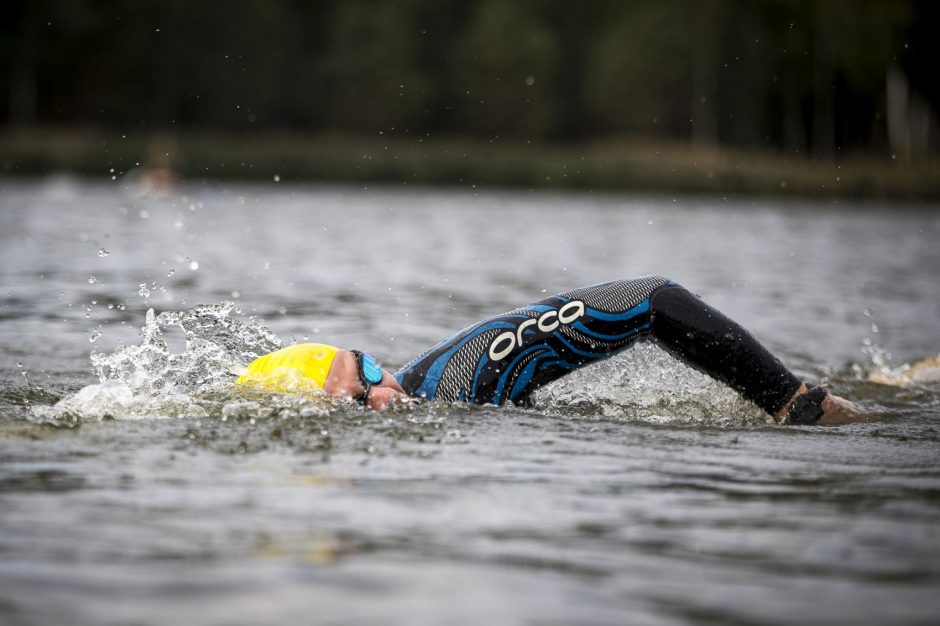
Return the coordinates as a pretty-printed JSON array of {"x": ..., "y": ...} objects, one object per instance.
[{"x": 638, "y": 492}]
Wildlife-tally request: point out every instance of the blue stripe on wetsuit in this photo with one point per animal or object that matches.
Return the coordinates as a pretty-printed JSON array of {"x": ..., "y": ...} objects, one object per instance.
[{"x": 461, "y": 368}]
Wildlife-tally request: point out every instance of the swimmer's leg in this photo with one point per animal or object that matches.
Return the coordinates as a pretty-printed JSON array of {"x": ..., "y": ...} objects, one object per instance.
[{"x": 711, "y": 342}]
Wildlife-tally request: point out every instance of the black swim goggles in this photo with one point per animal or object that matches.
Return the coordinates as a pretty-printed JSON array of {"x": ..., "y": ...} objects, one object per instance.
[{"x": 370, "y": 373}]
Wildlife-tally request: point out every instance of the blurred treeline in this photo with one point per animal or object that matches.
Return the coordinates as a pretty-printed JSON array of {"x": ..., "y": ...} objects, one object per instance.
[{"x": 797, "y": 76}]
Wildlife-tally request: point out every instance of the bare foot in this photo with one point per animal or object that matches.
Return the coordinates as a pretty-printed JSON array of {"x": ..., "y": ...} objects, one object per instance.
[{"x": 836, "y": 410}]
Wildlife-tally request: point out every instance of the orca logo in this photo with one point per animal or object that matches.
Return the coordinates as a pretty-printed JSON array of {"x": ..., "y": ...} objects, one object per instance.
[{"x": 547, "y": 322}]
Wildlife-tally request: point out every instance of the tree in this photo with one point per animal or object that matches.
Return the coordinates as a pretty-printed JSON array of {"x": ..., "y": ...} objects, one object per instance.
[{"x": 504, "y": 71}]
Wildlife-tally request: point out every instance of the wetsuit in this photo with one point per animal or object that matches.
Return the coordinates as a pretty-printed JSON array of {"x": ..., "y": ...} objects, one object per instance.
[{"x": 507, "y": 357}]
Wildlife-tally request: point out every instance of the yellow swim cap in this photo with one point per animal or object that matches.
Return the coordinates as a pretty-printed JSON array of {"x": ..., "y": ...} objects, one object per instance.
[{"x": 295, "y": 368}]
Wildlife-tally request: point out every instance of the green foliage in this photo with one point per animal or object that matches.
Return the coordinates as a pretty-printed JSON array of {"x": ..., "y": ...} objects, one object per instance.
[
  {"x": 601, "y": 165},
  {"x": 638, "y": 73},
  {"x": 867, "y": 37},
  {"x": 794, "y": 75},
  {"x": 505, "y": 71},
  {"x": 373, "y": 78}
]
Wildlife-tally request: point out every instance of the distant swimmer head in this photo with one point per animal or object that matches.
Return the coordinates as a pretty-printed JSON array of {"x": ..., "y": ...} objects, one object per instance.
[{"x": 299, "y": 367}]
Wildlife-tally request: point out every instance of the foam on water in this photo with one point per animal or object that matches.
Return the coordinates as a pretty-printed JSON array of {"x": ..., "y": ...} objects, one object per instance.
[{"x": 648, "y": 384}]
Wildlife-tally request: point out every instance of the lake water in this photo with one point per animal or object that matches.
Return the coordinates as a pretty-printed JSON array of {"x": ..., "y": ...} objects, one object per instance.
[{"x": 637, "y": 492}]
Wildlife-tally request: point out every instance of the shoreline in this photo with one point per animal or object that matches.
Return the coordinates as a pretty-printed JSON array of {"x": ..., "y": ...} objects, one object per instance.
[{"x": 606, "y": 165}]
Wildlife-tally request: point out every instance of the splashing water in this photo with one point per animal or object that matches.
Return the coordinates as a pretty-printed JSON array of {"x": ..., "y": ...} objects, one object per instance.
[
  {"x": 217, "y": 346},
  {"x": 646, "y": 383},
  {"x": 150, "y": 380},
  {"x": 924, "y": 373},
  {"x": 878, "y": 367}
]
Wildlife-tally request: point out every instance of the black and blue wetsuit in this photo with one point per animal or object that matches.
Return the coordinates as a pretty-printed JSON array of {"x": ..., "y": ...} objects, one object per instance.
[{"x": 507, "y": 357}]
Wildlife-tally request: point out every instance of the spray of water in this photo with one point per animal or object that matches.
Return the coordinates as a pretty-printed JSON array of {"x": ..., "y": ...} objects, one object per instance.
[
  {"x": 217, "y": 347},
  {"x": 878, "y": 368},
  {"x": 149, "y": 380},
  {"x": 648, "y": 384}
]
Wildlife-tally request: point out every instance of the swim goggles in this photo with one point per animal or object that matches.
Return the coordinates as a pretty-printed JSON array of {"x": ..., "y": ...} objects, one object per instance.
[{"x": 370, "y": 373}]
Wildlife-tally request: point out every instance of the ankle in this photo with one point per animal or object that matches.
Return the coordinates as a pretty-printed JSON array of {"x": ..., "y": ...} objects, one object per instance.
[
  {"x": 806, "y": 406},
  {"x": 781, "y": 415}
]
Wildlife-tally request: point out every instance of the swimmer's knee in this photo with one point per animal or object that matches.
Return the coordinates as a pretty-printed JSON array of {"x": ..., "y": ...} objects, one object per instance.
[
  {"x": 669, "y": 293},
  {"x": 675, "y": 312}
]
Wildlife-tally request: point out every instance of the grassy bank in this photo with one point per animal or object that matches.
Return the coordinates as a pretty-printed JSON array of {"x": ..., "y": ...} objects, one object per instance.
[{"x": 404, "y": 158}]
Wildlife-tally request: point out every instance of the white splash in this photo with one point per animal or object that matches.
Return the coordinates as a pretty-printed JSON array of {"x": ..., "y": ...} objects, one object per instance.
[
  {"x": 149, "y": 380},
  {"x": 646, "y": 383},
  {"x": 217, "y": 346}
]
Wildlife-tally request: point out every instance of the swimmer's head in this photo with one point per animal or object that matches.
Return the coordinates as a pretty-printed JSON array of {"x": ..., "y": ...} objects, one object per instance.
[
  {"x": 294, "y": 366},
  {"x": 308, "y": 366}
]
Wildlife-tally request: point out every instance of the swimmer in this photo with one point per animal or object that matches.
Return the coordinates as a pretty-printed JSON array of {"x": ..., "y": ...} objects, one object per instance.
[{"x": 507, "y": 357}]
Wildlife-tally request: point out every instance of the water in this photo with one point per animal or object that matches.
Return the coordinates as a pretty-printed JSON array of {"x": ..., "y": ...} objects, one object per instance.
[{"x": 637, "y": 492}]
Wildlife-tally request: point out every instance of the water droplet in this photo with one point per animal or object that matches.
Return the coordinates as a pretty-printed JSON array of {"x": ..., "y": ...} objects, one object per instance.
[
  {"x": 103, "y": 252},
  {"x": 95, "y": 334},
  {"x": 92, "y": 280},
  {"x": 144, "y": 214},
  {"x": 170, "y": 273},
  {"x": 143, "y": 291},
  {"x": 194, "y": 265},
  {"x": 277, "y": 178},
  {"x": 236, "y": 294}
]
